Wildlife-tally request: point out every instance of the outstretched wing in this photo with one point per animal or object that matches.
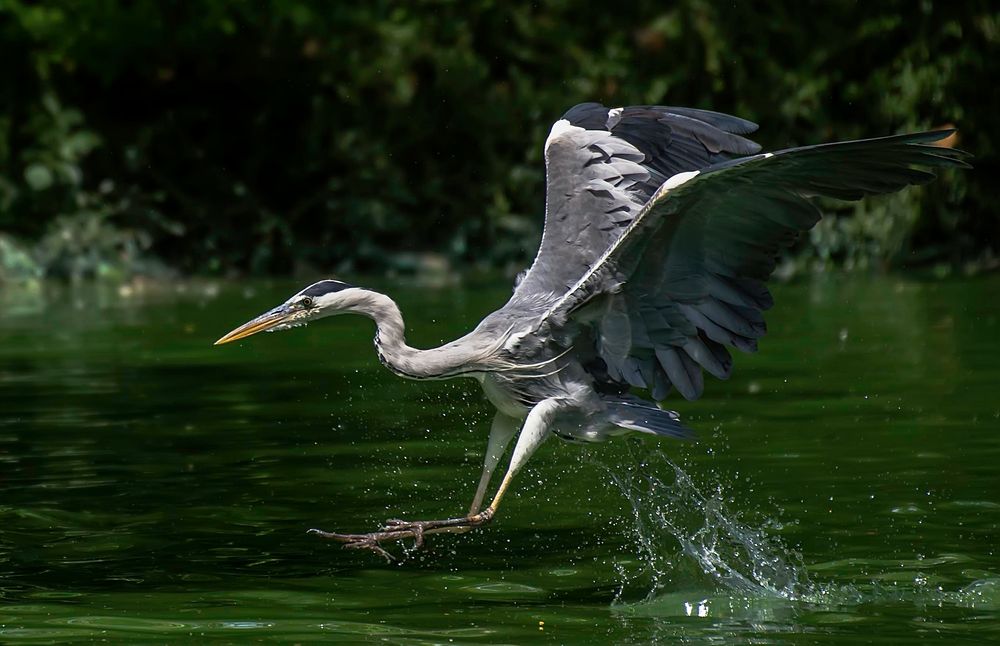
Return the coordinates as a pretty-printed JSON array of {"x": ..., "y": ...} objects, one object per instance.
[
  {"x": 601, "y": 167},
  {"x": 686, "y": 278}
]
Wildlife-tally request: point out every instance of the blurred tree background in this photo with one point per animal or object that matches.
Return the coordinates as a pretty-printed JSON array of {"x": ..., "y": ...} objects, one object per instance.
[{"x": 224, "y": 136}]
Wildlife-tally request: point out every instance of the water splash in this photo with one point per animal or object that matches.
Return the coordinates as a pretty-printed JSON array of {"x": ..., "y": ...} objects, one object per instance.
[
  {"x": 698, "y": 557},
  {"x": 683, "y": 532}
]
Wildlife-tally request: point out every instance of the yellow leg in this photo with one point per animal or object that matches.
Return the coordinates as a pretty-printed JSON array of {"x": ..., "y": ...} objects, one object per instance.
[
  {"x": 501, "y": 432},
  {"x": 501, "y": 490},
  {"x": 535, "y": 431}
]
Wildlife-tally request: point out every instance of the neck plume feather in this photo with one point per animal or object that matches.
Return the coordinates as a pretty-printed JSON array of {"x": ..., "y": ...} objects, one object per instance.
[{"x": 450, "y": 360}]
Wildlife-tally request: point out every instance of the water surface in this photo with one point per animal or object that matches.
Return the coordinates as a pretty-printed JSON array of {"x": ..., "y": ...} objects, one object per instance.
[{"x": 153, "y": 488}]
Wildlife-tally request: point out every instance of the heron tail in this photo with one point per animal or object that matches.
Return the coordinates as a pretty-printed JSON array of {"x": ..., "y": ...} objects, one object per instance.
[{"x": 645, "y": 417}]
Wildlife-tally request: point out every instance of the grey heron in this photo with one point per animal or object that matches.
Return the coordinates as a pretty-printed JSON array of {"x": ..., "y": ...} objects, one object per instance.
[{"x": 662, "y": 227}]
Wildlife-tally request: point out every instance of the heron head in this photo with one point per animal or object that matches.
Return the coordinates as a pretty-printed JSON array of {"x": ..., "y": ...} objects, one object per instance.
[{"x": 325, "y": 298}]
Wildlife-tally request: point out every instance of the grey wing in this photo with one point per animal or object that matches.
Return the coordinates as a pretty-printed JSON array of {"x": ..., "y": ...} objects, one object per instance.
[
  {"x": 602, "y": 165},
  {"x": 686, "y": 279}
]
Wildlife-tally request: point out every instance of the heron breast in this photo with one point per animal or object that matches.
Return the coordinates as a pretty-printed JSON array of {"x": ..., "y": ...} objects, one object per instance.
[{"x": 504, "y": 399}]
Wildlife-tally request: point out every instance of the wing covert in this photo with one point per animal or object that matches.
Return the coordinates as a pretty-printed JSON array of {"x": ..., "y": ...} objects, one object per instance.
[
  {"x": 602, "y": 165},
  {"x": 686, "y": 279}
]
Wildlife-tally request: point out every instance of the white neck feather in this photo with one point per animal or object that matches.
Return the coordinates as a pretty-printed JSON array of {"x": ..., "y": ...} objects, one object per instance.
[{"x": 450, "y": 360}]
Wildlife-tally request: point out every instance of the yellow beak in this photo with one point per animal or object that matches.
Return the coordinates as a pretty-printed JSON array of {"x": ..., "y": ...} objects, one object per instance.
[{"x": 263, "y": 322}]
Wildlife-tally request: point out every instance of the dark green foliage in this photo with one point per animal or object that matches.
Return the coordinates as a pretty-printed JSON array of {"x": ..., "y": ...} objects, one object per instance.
[{"x": 276, "y": 136}]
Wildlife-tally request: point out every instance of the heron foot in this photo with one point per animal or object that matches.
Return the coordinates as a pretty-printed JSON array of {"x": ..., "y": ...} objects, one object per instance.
[{"x": 397, "y": 530}]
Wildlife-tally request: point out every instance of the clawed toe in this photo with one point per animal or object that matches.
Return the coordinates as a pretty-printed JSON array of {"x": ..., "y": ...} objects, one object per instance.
[
  {"x": 363, "y": 541},
  {"x": 397, "y": 524},
  {"x": 366, "y": 543},
  {"x": 414, "y": 528},
  {"x": 396, "y": 529}
]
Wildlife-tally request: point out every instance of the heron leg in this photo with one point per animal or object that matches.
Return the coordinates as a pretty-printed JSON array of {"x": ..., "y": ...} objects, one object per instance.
[
  {"x": 501, "y": 432},
  {"x": 534, "y": 432}
]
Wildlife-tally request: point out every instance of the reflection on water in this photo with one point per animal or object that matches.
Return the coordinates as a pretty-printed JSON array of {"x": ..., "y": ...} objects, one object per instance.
[{"x": 154, "y": 488}]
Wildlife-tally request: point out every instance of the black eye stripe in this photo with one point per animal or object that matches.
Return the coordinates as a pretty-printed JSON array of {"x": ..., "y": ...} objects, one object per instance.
[{"x": 324, "y": 287}]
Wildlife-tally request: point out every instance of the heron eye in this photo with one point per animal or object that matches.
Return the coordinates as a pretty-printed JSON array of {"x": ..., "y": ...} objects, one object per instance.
[{"x": 306, "y": 302}]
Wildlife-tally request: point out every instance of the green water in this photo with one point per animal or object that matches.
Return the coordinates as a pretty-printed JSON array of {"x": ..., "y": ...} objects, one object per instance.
[{"x": 845, "y": 488}]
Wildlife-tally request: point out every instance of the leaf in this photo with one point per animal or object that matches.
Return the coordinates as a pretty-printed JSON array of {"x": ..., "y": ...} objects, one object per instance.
[{"x": 38, "y": 177}]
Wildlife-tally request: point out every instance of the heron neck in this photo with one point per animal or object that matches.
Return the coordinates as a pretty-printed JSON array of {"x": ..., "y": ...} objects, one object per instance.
[{"x": 393, "y": 351}]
